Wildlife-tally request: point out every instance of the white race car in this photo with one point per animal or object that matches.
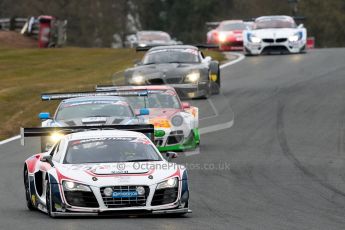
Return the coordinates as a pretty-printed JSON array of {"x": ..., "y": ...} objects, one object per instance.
[
  {"x": 271, "y": 34},
  {"x": 176, "y": 123},
  {"x": 104, "y": 172}
]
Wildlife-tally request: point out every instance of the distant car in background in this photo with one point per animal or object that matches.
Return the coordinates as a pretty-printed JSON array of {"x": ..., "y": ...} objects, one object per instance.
[
  {"x": 150, "y": 38},
  {"x": 228, "y": 35},
  {"x": 275, "y": 34}
]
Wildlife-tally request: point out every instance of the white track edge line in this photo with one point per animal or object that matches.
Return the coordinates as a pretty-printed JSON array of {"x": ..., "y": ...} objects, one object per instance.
[{"x": 9, "y": 139}]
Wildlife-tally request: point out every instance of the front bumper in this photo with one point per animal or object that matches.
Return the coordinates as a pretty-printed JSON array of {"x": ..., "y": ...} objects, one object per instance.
[
  {"x": 191, "y": 90},
  {"x": 124, "y": 213},
  {"x": 231, "y": 46},
  {"x": 272, "y": 47},
  {"x": 163, "y": 201},
  {"x": 177, "y": 140}
]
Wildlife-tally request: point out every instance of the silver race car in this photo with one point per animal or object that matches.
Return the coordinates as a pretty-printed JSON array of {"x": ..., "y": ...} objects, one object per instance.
[
  {"x": 88, "y": 109},
  {"x": 182, "y": 66}
]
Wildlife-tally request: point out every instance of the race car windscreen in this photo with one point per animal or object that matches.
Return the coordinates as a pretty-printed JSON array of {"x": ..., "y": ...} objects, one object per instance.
[
  {"x": 83, "y": 109},
  {"x": 153, "y": 36},
  {"x": 110, "y": 150},
  {"x": 171, "y": 56},
  {"x": 165, "y": 99},
  {"x": 274, "y": 23},
  {"x": 232, "y": 26}
]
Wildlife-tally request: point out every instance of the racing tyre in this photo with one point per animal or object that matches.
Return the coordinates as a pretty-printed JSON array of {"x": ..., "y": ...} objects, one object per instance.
[
  {"x": 216, "y": 85},
  {"x": 247, "y": 53},
  {"x": 44, "y": 141},
  {"x": 29, "y": 204},
  {"x": 208, "y": 91},
  {"x": 49, "y": 202}
]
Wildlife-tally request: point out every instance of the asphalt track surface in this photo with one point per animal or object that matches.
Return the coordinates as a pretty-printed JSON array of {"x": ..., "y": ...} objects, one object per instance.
[{"x": 286, "y": 152}]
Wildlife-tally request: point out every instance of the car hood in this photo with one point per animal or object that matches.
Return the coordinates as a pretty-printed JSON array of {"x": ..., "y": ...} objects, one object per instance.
[
  {"x": 103, "y": 174},
  {"x": 166, "y": 69},
  {"x": 274, "y": 33},
  {"x": 162, "y": 113},
  {"x": 94, "y": 121}
]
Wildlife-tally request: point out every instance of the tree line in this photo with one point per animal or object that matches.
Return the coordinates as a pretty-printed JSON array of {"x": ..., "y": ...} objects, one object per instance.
[{"x": 99, "y": 23}]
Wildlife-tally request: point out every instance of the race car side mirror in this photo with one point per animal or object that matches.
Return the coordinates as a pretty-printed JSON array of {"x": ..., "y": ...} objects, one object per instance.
[
  {"x": 207, "y": 59},
  {"x": 171, "y": 155},
  {"x": 185, "y": 105},
  {"x": 48, "y": 159},
  {"x": 143, "y": 112},
  {"x": 44, "y": 115}
]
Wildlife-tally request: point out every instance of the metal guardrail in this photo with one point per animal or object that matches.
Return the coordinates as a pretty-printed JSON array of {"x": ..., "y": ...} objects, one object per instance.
[
  {"x": 31, "y": 27},
  {"x": 12, "y": 23}
]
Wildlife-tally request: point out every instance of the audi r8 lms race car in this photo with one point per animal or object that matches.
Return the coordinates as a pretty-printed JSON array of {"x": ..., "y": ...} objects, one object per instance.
[
  {"x": 88, "y": 110},
  {"x": 182, "y": 66},
  {"x": 228, "y": 35},
  {"x": 176, "y": 123},
  {"x": 275, "y": 34},
  {"x": 104, "y": 172}
]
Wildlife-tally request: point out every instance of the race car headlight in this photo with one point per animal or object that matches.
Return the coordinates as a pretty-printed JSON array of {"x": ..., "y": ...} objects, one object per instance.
[
  {"x": 108, "y": 191},
  {"x": 252, "y": 38},
  {"x": 140, "y": 190},
  {"x": 73, "y": 186},
  {"x": 177, "y": 120},
  {"x": 55, "y": 137},
  {"x": 222, "y": 37},
  {"x": 170, "y": 183},
  {"x": 138, "y": 79},
  {"x": 296, "y": 37},
  {"x": 193, "y": 77}
]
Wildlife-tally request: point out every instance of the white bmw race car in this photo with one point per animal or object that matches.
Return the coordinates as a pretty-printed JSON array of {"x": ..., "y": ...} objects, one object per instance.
[
  {"x": 272, "y": 34},
  {"x": 104, "y": 172}
]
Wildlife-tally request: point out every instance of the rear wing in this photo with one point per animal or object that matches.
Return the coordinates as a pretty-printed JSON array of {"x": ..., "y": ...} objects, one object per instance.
[
  {"x": 148, "y": 130},
  {"x": 121, "y": 89},
  {"x": 146, "y": 48},
  {"x": 127, "y": 90},
  {"x": 206, "y": 46},
  {"x": 109, "y": 92},
  {"x": 200, "y": 46}
]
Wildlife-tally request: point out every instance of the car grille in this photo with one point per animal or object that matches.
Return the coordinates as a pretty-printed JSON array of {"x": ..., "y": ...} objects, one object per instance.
[
  {"x": 174, "y": 80},
  {"x": 111, "y": 202},
  {"x": 274, "y": 49},
  {"x": 164, "y": 196},
  {"x": 281, "y": 40},
  {"x": 70, "y": 123},
  {"x": 175, "y": 137},
  {"x": 158, "y": 142},
  {"x": 81, "y": 199},
  {"x": 268, "y": 40},
  {"x": 117, "y": 121},
  {"x": 156, "y": 81}
]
